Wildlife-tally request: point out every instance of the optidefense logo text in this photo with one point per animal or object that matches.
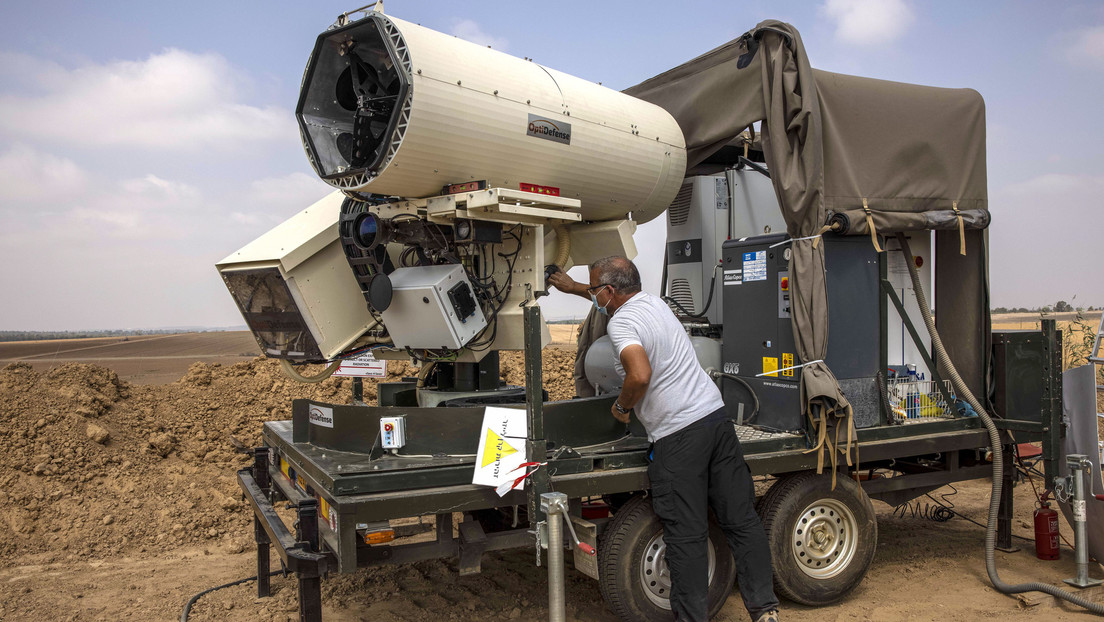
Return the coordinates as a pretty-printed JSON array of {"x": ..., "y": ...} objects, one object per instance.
[
  {"x": 558, "y": 131},
  {"x": 321, "y": 415}
]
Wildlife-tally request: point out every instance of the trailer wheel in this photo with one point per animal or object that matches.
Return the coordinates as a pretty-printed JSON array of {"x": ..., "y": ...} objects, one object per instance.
[
  {"x": 634, "y": 580},
  {"x": 821, "y": 540}
]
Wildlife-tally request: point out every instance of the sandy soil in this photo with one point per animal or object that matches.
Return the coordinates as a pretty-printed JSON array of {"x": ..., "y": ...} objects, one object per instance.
[{"x": 117, "y": 501}]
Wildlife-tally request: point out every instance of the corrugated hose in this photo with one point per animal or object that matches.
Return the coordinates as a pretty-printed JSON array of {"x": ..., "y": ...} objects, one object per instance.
[
  {"x": 563, "y": 246},
  {"x": 995, "y": 446}
]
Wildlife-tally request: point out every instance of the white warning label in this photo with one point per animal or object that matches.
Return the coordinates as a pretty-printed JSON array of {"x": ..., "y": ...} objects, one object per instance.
[
  {"x": 755, "y": 266},
  {"x": 363, "y": 366},
  {"x": 1079, "y": 510},
  {"x": 501, "y": 447}
]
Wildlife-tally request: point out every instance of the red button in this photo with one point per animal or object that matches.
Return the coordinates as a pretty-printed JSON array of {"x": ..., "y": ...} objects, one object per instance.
[
  {"x": 785, "y": 284},
  {"x": 387, "y": 427}
]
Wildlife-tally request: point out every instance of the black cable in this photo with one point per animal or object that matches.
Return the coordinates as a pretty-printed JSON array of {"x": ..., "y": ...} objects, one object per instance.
[
  {"x": 500, "y": 296},
  {"x": 940, "y": 511},
  {"x": 192, "y": 600},
  {"x": 747, "y": 386},
  {"x": 712, "y": 288},
  {"x": 685, "y": 313},
  {"x": 708, "y": 302},
  {"x": 928, "y": 511}
]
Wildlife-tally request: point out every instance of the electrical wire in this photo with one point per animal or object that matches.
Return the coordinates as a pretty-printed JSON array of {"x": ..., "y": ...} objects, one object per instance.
[
  {"x": 191, "y": 601},
  {"x": 754, "y": 397},
  {"x": 939, "y": 512},
  {"x": 500, "y": 295},
  {"x": 708, "y": 302},
  {"x": 685, "y": 312}
]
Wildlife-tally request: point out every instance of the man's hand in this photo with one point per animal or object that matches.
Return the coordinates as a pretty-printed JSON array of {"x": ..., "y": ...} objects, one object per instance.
[
  {"x": 623, "y": 418},
  {"x": 564, "y": 283}
]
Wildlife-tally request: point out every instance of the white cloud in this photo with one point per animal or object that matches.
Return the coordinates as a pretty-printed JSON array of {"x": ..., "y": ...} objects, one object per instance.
[
  {"x": 174, "y": 100},
  {"x": 1087, "y": 47},
  {"x": 295, "y": 191},
  {"x": 144, "y": 208},
  {"x": 868, "y": 22},
  {"x": 29, "y": 175},
  {"x": 152, "y": 187},
  {"x": 271, "y": 200},
  {"x": 469, "y": 30}
]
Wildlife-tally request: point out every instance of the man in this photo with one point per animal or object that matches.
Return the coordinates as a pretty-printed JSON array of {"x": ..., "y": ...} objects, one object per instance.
[{"x": 696, "y": 460}]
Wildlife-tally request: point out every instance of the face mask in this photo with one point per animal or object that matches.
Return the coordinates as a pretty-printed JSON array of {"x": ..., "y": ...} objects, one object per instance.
[{"x": 601, "y": 309}]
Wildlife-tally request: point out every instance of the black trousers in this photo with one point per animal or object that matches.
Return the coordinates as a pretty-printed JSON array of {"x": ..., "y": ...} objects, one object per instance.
[{"x": 697, "y": 468}]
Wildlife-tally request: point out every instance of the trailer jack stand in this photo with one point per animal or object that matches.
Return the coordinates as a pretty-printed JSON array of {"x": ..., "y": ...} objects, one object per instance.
[
  {"x": 300, "y": 553},
  {"x": 1079, "y": 465}
]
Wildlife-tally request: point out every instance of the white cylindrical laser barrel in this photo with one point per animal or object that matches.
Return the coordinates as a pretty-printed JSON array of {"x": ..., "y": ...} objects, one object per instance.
[{"x": 392, "y": 108}]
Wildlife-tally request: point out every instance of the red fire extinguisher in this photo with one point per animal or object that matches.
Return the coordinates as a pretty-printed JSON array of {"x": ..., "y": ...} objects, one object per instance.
[{"x": 1046, "y": 530}]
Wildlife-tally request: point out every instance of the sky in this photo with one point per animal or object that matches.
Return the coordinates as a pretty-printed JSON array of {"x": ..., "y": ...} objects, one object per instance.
[{"x": 141, "y": 142}]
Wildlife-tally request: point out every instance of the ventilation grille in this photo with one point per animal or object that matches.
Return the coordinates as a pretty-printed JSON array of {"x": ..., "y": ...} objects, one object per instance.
[
  {"x": 679, "y": 212},
  {"x": 681, "y": 293}
]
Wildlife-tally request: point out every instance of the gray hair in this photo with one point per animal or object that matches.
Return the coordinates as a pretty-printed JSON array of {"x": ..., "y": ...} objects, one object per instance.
[{"x": 619, "y": 272}]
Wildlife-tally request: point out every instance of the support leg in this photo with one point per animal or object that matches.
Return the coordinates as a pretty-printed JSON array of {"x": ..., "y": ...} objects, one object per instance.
[
  {"x": 310, "y": 599},
  {"x": 264, "y": 588},
  {"x": 358, "y": 391},
  {"x": 310, "y": 583},
  {"x": 1004, "y": 514},
  {"x": 260, "y": 474}
]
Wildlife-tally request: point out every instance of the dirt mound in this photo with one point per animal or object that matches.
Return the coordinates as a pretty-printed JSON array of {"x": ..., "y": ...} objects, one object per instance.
[{"x": 94, "y": 466}]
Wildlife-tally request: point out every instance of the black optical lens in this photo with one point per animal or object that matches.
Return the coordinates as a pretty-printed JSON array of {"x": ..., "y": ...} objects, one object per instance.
[{"x": 366, "y": 231}]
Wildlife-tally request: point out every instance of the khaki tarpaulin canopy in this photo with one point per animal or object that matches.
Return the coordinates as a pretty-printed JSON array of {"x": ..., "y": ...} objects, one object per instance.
[{"x": 854, "y": 156}]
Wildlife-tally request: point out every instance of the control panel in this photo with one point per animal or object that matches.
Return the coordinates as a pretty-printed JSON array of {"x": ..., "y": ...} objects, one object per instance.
[{"x": 393, "y": 432}]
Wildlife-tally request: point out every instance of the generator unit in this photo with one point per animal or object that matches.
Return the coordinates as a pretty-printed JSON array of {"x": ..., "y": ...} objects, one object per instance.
[{"x": 708, "y": 210}]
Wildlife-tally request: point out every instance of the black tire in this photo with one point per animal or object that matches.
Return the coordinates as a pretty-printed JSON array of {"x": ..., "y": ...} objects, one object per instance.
[
  {"x": 818, "y": 569},
  {"x": 622, "y": 560}
]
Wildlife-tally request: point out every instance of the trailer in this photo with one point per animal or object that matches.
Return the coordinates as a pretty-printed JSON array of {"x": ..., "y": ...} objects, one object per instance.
[
  {"x": 347, "y": 498},
  {"x": 434, "y": 250}
]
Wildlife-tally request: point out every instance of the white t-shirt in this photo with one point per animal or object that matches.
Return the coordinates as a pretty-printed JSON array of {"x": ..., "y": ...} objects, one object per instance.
[{"x": 679, "y": 392}]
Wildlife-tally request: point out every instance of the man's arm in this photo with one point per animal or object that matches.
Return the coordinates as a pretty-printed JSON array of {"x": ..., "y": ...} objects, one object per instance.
[
  {"x": 638, "y": 373},
  {"x": 568, "y": 285}
]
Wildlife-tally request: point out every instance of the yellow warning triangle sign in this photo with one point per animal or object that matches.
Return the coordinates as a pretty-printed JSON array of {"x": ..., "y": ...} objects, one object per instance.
[{"x": 495, "y": 448}]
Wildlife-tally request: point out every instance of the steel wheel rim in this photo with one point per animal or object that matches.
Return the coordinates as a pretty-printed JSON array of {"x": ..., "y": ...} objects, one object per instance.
[
  {"x": 824, "y": 538},
  {"x": 655, "y": 578}
]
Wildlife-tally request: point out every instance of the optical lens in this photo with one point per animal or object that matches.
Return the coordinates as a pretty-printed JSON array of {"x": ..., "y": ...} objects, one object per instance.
[{"x": 366, "y": 231}]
